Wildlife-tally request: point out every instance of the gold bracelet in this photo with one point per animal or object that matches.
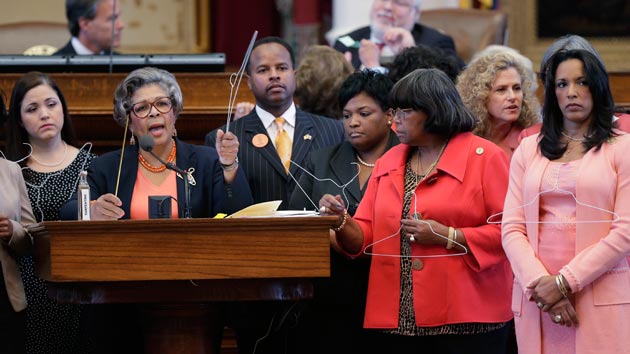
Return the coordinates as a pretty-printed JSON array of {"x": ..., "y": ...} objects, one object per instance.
[
  {"x": 451, "y": 236},
  {"x": 561, "y": 287},
  {"x": 343, "y": 221}
]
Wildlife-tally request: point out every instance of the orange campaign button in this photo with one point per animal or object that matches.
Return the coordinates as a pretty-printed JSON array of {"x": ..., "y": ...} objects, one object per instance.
[{"x": 260, "y": 140}]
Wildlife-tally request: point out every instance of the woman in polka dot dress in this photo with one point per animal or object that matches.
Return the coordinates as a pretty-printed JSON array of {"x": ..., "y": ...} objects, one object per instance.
[{"x": 40, "y": 137}]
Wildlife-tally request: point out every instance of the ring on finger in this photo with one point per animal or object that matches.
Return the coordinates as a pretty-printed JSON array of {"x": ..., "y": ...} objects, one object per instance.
[
  {"x": 540, "y": 304},
  {"x": 557, "y": 318},
  {"x": 412, "y": 238},
  {"x": 322, "y": 209}
]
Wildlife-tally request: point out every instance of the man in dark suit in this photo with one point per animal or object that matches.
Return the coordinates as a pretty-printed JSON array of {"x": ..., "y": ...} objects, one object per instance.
[
  {"x": 272, "y": 81},
  {"x": 393, "y": 27},
  {"x": 90, "y": 22},
  {"x": 271, "y": 77}
]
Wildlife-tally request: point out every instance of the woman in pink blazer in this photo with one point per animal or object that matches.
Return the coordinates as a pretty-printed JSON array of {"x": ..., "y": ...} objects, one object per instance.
[
  {"x": 15, "y": 213},
  {"x": 566, "y": 221}
]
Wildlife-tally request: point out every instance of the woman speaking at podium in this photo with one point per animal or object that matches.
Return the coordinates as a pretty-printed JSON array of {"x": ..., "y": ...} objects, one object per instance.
[{"x": 147, "y": 103}]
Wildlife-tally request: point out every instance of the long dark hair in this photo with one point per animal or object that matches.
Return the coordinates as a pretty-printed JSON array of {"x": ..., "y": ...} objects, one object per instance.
[
  {"x": 16, "y": 133},
  {"x": 601, "y": 127}
]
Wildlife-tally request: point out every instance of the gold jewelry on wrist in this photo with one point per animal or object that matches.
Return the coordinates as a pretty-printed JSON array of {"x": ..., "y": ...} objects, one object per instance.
[
  {"x": 451, "y": 237},
  {"x": 561, "y": 286},
  {"x": 343, "y": 221}
]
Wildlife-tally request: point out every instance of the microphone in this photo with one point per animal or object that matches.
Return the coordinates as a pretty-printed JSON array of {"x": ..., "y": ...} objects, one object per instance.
[{"x": 146, "y": 143}]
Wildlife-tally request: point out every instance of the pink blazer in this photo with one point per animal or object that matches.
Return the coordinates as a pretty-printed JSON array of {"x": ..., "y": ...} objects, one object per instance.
[
  {"x": 599, "y": 272},
  {"x": 14, "y": 204}
]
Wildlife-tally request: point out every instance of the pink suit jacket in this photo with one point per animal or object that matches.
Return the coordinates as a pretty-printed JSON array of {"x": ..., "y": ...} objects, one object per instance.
[
  {"x": 469, "y": 186},
  {"x": 14, "y": 204},
  {"x": 599, "y": 272}
]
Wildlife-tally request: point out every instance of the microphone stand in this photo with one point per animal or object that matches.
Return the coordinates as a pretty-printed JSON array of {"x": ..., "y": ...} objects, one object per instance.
[{"x": 184, "y": 175}]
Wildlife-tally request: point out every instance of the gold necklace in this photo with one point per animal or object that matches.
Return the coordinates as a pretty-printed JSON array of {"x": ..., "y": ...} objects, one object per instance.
[
  {"x": 572, "y": 138},
  {"x": 433, "y": 164},
  {"x": 363, "y": 162},
  {"x": 150, "y": 168},
  {"x": 570, "y": 147}
]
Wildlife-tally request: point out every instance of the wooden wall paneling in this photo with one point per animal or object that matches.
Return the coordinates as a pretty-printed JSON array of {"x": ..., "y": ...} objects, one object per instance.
[{"x": 90, "y": 102}]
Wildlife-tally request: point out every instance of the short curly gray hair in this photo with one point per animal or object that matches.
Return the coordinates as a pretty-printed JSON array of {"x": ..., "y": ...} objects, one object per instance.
[{"x": 140, "y": 78}]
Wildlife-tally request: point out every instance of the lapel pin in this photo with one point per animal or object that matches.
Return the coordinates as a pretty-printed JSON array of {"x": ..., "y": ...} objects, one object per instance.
[
  {"x": 308, "y": 137},
  {"x": 260, "y": 140}
]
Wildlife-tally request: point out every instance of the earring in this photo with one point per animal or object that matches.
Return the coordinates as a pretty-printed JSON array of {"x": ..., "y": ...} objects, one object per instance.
[
  {"x": 174, "y": 131},
  {"x": 389, "y": 122},
  {"x": 132, "y": 140}
]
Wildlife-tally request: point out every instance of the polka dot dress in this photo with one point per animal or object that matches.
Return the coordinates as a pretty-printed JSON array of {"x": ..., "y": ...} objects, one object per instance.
[{"x": 51, "y": 327}]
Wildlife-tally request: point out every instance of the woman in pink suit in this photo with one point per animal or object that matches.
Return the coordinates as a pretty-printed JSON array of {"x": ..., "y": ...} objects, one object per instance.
[{"x": 566, "y": 221}]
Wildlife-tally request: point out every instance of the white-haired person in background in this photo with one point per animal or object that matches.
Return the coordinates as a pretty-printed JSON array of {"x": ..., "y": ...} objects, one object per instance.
[{"x": 393, "y": 26}]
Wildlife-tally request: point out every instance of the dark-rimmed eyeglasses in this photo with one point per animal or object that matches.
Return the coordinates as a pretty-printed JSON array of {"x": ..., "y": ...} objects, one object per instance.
[
  {"x": 143, "y": 108},
  {"x": 400, "y": 113}
]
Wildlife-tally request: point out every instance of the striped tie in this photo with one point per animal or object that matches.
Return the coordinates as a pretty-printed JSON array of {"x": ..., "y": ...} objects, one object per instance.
[{"x": 283, "y": 144}]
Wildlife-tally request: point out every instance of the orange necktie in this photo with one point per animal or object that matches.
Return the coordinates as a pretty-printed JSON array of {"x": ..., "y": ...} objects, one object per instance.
[{"x": 283, "y": 144}]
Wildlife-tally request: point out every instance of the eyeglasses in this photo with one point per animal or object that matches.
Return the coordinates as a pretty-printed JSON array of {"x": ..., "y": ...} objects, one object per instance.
[
  {"x": 400, "y": 113},
  {"x": 142, "y": 109}
]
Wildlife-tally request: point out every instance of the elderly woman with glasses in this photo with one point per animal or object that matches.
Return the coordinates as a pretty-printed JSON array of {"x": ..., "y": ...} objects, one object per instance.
[
  {"x": 439, "y": 280},
  {"x": 148, "y": 102}
]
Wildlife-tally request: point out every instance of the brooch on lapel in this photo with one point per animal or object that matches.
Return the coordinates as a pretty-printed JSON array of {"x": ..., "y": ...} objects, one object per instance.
[{"x": 191, "y": 179}]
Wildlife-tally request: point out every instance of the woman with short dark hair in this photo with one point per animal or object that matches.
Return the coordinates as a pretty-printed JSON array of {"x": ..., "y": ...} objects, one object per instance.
[{"x": 439, "y": 281}]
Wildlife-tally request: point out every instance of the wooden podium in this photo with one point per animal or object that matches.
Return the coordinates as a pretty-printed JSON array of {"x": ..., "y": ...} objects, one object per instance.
[{"x": 177, "y": 268}]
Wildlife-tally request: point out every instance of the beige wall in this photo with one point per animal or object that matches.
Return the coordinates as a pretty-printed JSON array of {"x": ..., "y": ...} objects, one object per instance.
[
  {"x": 33, "y": 10},
  {"x": 153, "y": 26}
]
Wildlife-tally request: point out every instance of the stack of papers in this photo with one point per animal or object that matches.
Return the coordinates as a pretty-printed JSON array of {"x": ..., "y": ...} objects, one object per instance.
[{"x": 269, "y": 210}]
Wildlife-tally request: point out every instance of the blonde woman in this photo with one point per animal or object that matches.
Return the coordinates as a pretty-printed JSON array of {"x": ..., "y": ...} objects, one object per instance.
[{"x": 499, "y": 87}]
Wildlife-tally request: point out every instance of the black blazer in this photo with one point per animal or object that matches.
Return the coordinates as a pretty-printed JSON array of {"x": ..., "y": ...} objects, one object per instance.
[
  {"x": 421, "y": 34},
  {"x": 348, "y": 280},
  {"x": 262, "y": 165},
  {"x": 68, "y": 49},
  {"x": 209, "y": 196}
]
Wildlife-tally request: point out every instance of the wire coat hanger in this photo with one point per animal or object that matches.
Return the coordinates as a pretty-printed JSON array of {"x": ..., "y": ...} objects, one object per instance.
[{"x": 556, "y": 188}]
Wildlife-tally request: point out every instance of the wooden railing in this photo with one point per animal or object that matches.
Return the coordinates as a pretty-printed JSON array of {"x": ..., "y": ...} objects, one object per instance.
[
  {"x": 206, "y": 95},
  {"x": 90, "y": 102}
]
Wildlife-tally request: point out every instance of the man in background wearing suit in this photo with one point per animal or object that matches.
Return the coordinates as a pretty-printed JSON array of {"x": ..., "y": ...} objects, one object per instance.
[
  {"x": 90, "y": 23},
  {"x": 262, "y": 156},
  {"x": 393, "y": 27}
]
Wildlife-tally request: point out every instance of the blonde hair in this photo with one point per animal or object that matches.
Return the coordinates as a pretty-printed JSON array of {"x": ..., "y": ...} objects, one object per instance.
[
  {"x": 475, "y": 82},
  {"x": 318, "y": 77}
]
